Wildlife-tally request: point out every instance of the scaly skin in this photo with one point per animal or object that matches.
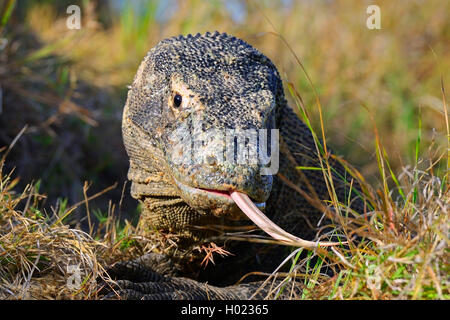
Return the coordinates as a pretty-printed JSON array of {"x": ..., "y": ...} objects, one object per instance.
[{"x": 224, "y": 83}]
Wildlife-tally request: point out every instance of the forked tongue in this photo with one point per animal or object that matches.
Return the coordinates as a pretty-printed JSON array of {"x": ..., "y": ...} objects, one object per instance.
[{"x": 261, "y": 220}]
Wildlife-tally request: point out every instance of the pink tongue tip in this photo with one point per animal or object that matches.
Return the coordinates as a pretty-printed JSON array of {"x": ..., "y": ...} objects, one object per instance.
[{"x": 262, "y": 221}]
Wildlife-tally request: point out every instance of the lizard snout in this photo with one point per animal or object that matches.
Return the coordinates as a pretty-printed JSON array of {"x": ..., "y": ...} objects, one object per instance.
[
  {"x": 208, "y": 163},
  {"x": 207, "y": 187}
]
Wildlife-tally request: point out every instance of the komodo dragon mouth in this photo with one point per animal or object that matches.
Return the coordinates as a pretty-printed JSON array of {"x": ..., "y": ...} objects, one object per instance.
[
  {"x": 252, "y": 211},
  {"x": 215, "y": 201}
]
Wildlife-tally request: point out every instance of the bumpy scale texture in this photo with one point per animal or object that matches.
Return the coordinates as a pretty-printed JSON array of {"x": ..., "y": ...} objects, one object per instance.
[{"x": 224, "y": 83}]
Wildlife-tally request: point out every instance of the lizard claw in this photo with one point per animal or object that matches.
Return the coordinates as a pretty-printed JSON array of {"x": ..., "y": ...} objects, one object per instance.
[
  {"x": 166, "y": 288},
  {"x": 136, "y": 280}
]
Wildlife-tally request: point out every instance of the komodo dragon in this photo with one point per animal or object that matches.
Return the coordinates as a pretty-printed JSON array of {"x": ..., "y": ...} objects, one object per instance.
[{"x": 185, "y": 86}]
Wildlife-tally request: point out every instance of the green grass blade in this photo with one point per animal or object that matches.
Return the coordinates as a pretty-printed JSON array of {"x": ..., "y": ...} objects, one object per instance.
[{"x": 7, "y": 13}]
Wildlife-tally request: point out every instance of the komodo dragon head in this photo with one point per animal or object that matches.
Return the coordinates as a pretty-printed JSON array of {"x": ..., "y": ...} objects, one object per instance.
[{"x": 188, "y": 93}]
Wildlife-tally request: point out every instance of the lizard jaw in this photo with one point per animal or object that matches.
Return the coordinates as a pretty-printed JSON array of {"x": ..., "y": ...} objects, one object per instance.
[
  {"x": 228, "y": 194},
  {"x": 215, "y": 201}
]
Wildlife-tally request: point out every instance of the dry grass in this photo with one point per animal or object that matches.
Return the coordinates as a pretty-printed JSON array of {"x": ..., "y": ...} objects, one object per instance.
[
  {"x": 404, "y": 254},
  {"x": 37, "y": 252},
  {"x": 41, "y": 257}
]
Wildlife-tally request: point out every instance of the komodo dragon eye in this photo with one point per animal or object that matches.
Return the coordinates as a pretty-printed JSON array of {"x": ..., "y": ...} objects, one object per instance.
[{"x": 177, "y": 99}]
